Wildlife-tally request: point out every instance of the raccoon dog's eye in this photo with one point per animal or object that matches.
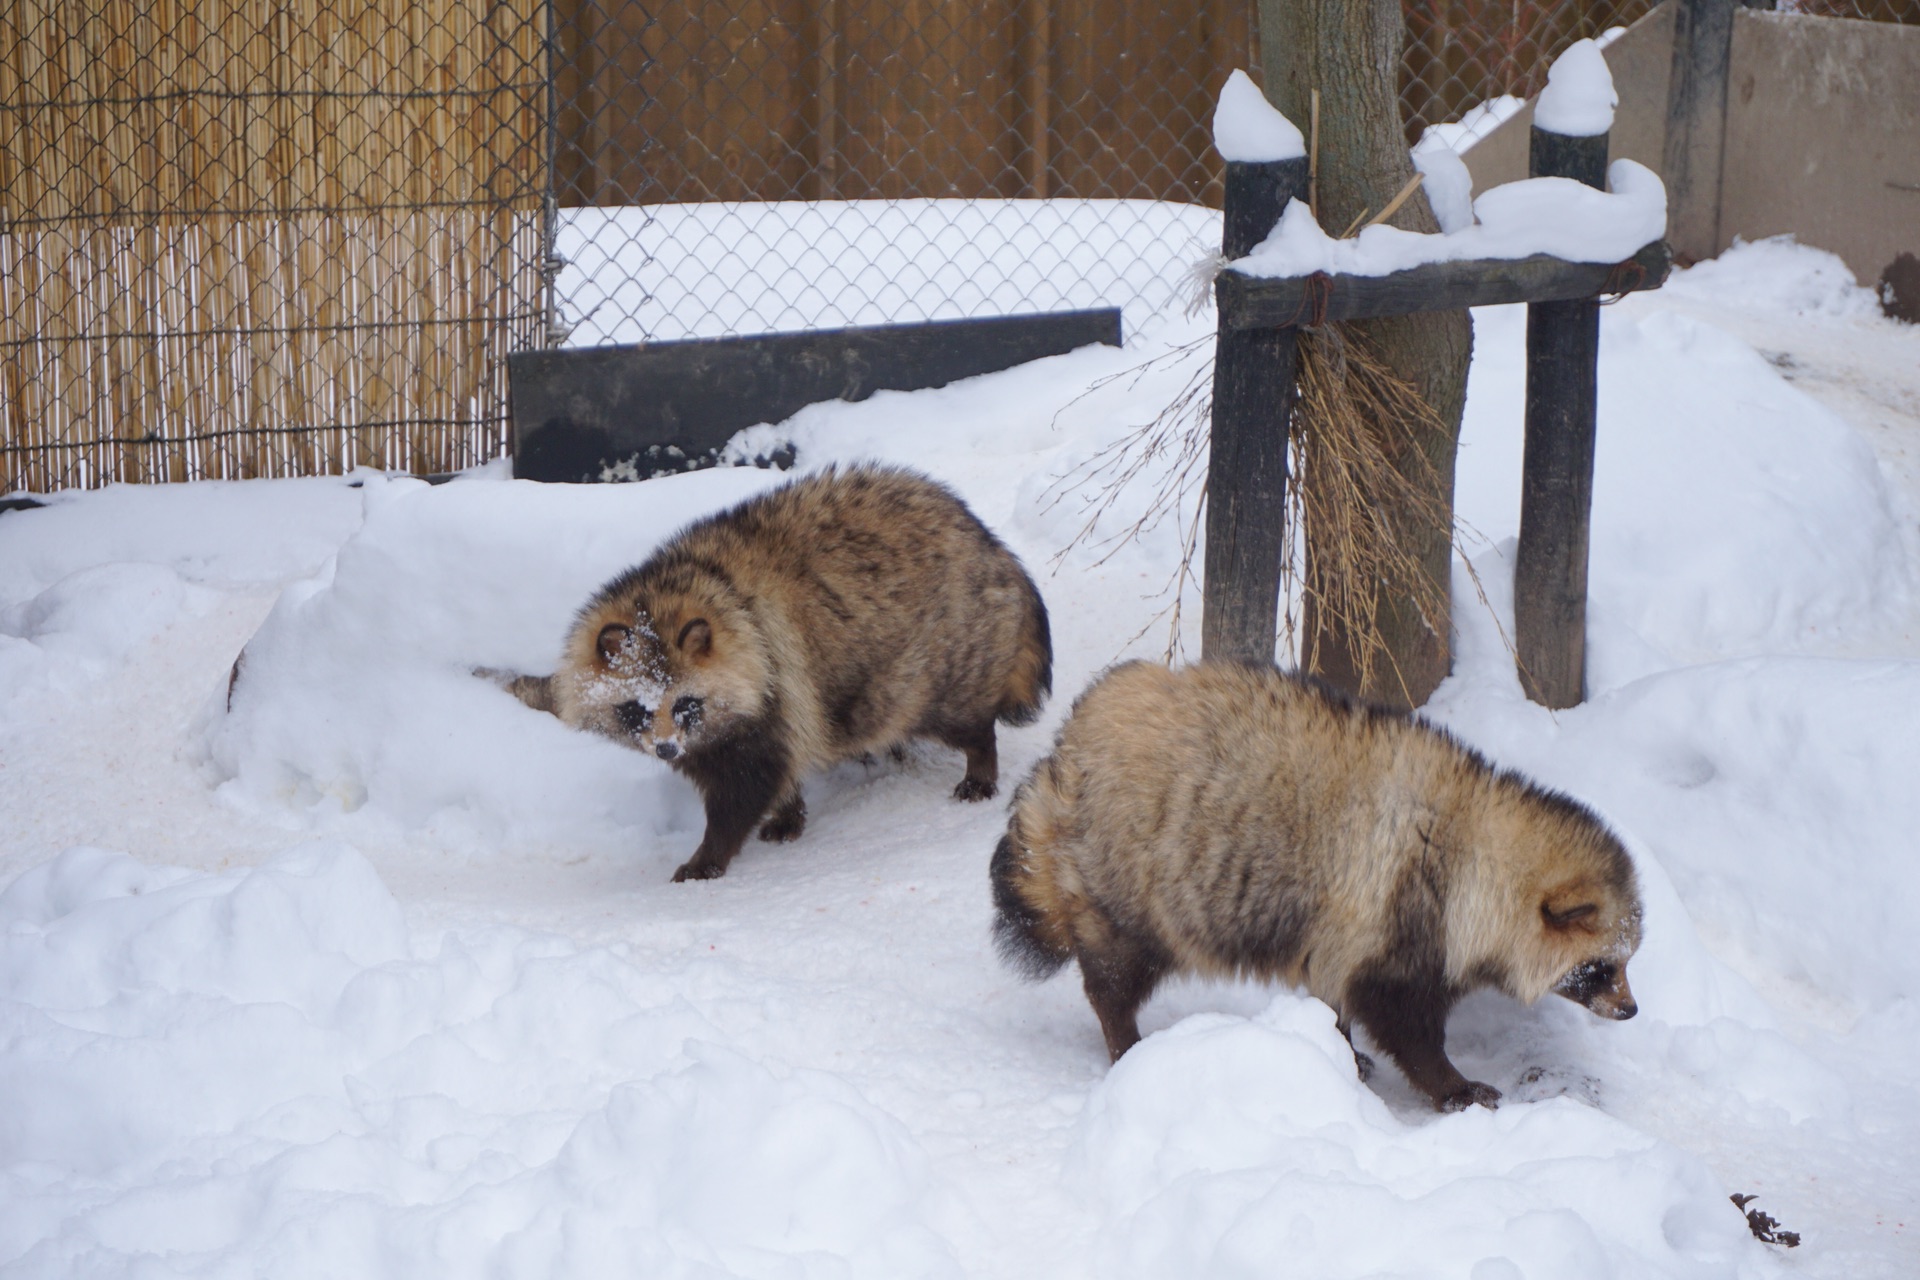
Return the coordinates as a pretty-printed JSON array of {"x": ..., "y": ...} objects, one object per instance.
[
  {"x": 687, "y": 711},
  {"x": 633, "y": 717}
]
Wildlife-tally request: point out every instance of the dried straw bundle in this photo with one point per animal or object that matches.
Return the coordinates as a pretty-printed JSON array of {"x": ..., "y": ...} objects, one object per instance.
[
  {"x": 1363, "y": 486},
  {"x": 1361, "y": 482}
]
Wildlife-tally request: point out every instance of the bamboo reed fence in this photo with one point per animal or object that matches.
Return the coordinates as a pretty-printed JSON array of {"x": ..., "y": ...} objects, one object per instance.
[{"x": 249, "y": 238}]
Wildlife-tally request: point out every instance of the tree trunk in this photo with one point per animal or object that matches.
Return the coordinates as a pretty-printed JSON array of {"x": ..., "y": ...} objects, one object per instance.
[{"x": 1350, "y": 51}]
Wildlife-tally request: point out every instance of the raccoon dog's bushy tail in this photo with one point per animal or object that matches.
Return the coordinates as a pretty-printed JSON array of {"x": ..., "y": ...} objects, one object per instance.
[
  {"x": 1030, "y": 929},
  {"x": 1033, "y": 671},
  {"x": 1016, "y": 925}
]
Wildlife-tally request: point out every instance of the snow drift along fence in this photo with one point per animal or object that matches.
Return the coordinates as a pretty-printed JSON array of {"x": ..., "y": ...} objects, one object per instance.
[{"x": 264, "y": 237}]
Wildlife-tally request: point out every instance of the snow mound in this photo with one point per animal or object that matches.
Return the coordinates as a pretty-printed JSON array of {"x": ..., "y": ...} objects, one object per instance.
[
  {"x": 1732, "y": 513},
  {"x": 88, "y": 623},
  {"x": 1754, "y": 775},
  {"x": 255, "y": 1073},
  {"x": 1778, "y": 275},
  {"x": 221, "y": 533},
  {"x": 1235, "y": 1147},
  {"x": 356, "y": 700}
]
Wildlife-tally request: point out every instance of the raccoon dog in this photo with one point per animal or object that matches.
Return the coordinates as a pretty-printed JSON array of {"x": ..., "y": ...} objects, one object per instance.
[
  {"x": 839, "y": 615},
  {"x": 1233, "y": 819}
]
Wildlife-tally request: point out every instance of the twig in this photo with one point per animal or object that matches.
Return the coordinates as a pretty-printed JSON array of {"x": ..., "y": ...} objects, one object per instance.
[
  {"x": 1393, "y": 205},
  {"x": 1361, "y": 221}
]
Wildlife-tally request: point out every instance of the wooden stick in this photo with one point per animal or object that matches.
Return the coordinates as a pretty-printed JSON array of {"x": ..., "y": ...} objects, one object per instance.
[
  {"x": 1253, "y": 392},
  {"x": 1256, "y": 302},
  {"x": 1556, "y": 485}
]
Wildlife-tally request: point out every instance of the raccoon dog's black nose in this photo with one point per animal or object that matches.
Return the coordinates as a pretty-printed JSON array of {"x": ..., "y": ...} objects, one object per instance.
[
  {"x": 1625, "y": 1009},
  {"x": 666, "y": 750}
]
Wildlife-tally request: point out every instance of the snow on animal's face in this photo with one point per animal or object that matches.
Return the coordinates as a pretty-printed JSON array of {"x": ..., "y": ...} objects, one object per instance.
[
  {"x": 1598, "y": 941},
  {"x": 666, "y": 688}
]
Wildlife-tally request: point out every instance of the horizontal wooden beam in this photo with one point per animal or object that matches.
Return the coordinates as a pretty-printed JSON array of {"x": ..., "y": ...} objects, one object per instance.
[
  {"x": 636, "y": 411},
  {"x": 1259, "y": 302}
]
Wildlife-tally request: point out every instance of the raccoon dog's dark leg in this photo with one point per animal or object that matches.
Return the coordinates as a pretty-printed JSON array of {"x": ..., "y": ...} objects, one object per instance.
[
  {"x": 1120, "y": 972},
  {"x": 1362, "y": 1062},
  {"x": 738, "y": 780},
  {"x": 983, "y": 758},
  {"x": 789, "y": 819},
  {"x": 1402, "y": 997},
  {"x": 1408, "y": 1019}
]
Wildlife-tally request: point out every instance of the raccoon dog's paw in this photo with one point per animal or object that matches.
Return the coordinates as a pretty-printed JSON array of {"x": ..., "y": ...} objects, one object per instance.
[
  {"x": 974, "y": 789},
  {"x": 1469, "y": 1093},
  {"x": 787, "y": 822},
  {"x": 695, "y": 869},
  {"x": 1363, "y": 1063}
]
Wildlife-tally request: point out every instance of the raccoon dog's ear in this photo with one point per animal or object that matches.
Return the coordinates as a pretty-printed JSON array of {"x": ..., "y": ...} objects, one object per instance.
[
  {"x": 696, "y": 638},
  {"x": 1567, "y": 916},
  {"x": 613, "y": 638}
]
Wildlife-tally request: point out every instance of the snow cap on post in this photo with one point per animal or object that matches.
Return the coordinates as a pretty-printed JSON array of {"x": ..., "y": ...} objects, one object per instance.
[
  {"x": 1579, "y": 98},
  {"x": 1249, "y": 129}
]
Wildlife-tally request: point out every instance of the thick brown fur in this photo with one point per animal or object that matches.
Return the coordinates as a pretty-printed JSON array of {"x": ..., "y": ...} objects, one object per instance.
[
  {"x": 835, "y": 617},
  {"x": 1231, "y": 819}
]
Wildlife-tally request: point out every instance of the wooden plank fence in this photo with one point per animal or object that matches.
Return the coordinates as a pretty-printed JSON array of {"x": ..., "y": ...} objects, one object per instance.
[{"x": 690, "y": 100}]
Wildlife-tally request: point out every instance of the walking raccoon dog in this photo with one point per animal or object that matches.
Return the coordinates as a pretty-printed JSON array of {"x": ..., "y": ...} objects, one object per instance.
[
  {"x": 838, "y": 615},
  {"x": 1231, "y": 819}
]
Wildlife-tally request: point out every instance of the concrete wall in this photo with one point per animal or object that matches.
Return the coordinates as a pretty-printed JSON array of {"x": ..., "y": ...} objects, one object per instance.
[{"x": 1822, "y": 134}]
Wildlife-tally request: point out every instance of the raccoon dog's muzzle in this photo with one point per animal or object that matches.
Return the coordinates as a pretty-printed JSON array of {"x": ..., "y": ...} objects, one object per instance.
[{"x": 1600, "y": 985}]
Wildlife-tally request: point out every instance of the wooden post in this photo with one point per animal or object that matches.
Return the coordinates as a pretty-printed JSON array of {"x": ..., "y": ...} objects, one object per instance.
[
  {"x": 1556, "y": 483},
  {"x": 1697, "y": 125},
  {"x": 1253, "y": 394},
  {"x": 826, "y": 96},
  {"x": 1039, "y": 93}
]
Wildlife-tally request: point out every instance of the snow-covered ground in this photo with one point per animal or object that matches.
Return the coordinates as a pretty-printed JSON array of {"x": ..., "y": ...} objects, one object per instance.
[{"x": 379, "y": 973}]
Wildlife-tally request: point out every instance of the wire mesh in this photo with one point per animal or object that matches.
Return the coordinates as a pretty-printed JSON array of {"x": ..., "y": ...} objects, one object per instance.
[
  {"x": 264, "y": 237},
  {"x": 759, "y": 165},
  {"x": 1463, "y": 55}
]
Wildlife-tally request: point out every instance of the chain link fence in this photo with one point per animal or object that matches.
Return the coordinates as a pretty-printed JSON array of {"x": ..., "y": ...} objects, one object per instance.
[
  {"x": 261, "y": 237},
  {"x": 742, "y": 167},
  {"x": 748, "y": 166}
]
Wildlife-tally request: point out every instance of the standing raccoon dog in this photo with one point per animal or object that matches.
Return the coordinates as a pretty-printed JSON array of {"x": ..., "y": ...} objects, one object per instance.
[
  {"x": 838, "y": 615},
  {"x": 1237, "y": 820}
]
